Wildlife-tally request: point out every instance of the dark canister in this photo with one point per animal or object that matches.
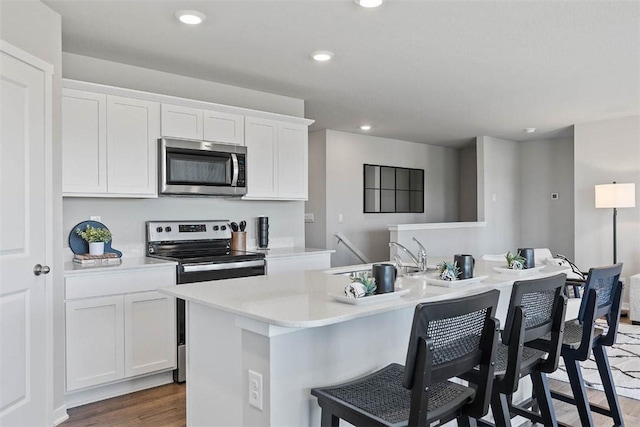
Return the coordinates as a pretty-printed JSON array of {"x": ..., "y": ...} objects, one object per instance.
[
  {"x": 263, "y": 232},
  {"x": 465, "y": 265},
  {"x": 527, "y": 254},
  {"x": 385, "y": 275}
]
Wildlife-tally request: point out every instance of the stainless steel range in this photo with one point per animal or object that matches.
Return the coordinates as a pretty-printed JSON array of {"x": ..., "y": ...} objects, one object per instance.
[{"x": 203, "y": 252}]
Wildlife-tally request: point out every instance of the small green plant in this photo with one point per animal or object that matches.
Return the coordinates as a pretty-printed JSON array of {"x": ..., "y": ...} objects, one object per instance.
[
  {"x": 514, "y": 262},
  {"x": 368, "y": 283},
  {"x": 448, "y": 270},
  {"x": 94, "y": 234}
]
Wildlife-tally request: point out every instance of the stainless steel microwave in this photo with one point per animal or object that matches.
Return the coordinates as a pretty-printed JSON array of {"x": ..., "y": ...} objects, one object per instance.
[{"x": 201, "y": 168}]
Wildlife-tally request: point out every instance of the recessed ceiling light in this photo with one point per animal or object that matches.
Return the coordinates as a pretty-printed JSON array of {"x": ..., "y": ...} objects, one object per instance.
[
  {"x": 322, "y": 55},
  {"x": 365, "y": 127},
  {"x": 368, "y": 3},
  {"x": 190, "y": 17},
  {"x": 529, "y": 130}
]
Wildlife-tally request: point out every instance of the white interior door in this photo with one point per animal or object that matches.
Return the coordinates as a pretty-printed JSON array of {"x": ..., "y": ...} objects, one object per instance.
[{"x": 25, "y": 108}]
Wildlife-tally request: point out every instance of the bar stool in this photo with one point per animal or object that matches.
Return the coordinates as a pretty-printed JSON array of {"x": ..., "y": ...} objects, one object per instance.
[
  {"x": 537, "y": 308},
  {"x": 447, "y": 339},
  {"x": 601, "y": 298}
]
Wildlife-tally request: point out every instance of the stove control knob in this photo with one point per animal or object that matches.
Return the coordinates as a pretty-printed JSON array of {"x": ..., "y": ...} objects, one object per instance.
[
  {"x": 167, "y": 229},
  {"x": 224, "y": 227},
  {"x": 215, "y": 228},
  {"x": 159, "y": 229}
]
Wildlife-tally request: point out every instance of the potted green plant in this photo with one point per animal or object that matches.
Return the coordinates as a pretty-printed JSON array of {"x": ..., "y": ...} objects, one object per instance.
[
  {"x": 96, "y": 237},
  {"x": 448, "y": 270},
  {"x": 515, "y": 262}
]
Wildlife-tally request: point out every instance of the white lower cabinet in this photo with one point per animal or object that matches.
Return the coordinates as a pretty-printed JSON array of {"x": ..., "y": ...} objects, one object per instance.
[
  {"x": 95, "y": 341},
  {"x": 114, "y": 337},
  {"x": 148, "y": 346}
]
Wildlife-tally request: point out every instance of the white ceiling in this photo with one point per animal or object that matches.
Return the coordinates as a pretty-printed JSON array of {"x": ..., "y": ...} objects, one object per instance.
[{"x": 440, "y": 72}]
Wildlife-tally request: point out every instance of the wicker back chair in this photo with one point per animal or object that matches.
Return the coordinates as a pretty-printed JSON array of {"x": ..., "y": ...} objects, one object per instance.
[
  {"x": 447, "y": 339},
  {"x": 601, "y": 299}
]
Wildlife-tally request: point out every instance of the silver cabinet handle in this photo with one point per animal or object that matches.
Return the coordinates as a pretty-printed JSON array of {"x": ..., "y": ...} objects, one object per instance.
[{"x": 41, "y": 269}]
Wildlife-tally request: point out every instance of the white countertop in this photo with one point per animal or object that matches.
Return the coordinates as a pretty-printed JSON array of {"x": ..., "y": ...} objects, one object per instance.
[
  {"x": 302, "y": 299},
  {"x": 72, "y": 268},
  {"x": 292, "y": 251}
]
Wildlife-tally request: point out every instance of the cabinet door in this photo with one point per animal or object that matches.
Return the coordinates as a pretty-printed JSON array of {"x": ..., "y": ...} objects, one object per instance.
[
  {"x": 181, "y": 122},
  {"x": 261, "y": 139},
  {"x": 223, "y": 127},
  {"x": 95, "y": 341},
  {"x": 292, "y": 161},
  {"x": 133, "y": 129},
  {"x": 150, "y": 333},
  {"x": 84, "y": 142}
]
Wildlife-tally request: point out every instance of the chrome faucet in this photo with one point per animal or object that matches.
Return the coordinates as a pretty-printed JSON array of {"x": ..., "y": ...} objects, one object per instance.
[
  {"x": 422, "y": 255},
  {"x": 421, "y": 266}
]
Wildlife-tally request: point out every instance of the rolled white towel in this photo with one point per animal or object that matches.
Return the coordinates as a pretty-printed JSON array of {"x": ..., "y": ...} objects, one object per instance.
[{"x": 355, "y": 290}]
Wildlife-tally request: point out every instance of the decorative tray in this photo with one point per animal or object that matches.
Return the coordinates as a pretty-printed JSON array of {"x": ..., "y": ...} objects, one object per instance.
[
  {"x": 454, "y": 283},
  {"x": 371, "y": 298},
  {"x": 518, "y": 272}
]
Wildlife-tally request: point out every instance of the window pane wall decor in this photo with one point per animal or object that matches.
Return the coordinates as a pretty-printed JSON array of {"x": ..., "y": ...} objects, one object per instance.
[{"x": 390, "y": 189}]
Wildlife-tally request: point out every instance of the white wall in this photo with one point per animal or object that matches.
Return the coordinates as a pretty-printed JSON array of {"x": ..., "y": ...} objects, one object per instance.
[
  {"x": 607, "y": 151},
  {"x": 126, "y": 217},
  {"x": 36, "y": 28},
  {"x": 344, "y": 156},
  {"x": 546, "y": 166}
]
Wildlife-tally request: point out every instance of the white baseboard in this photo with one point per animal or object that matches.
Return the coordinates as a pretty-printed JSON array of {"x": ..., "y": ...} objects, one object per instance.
[
  {"x": 95, "y": 394},
  {"x": 60, "y": 415}
]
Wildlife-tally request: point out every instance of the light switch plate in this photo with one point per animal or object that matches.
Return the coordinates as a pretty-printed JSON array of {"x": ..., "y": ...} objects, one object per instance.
[{"x": 309, "y": 217}]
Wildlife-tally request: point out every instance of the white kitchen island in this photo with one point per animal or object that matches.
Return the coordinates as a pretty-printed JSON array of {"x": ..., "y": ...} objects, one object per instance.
[{"x": 287, "y": 328}]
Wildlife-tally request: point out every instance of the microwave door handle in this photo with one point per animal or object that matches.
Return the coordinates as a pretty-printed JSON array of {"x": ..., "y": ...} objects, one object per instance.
[{"x": 234, "y": 161}]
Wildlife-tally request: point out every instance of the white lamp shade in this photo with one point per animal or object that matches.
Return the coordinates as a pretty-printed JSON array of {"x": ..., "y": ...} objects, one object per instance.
[{"x": 616, "y": 196}]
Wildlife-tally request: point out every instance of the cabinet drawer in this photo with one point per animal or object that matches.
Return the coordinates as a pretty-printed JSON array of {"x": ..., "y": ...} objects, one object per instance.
[{"x": 102, "y": 284}]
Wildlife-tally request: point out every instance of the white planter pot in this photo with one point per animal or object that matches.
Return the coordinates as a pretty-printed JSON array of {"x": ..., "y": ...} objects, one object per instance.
[{"x": 96, "y": 248}]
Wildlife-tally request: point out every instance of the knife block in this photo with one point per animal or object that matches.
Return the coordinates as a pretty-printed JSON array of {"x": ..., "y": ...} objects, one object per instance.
[{"x": 239, "y": 241}]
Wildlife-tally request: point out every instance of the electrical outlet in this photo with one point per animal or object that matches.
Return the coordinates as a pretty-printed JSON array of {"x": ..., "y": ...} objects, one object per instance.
[
  {"x": 309, "y": 217},
  {"x": 95, "y": 218},
  {"x": 255, "y": 389},
  {"x": 554, "y": 196}
]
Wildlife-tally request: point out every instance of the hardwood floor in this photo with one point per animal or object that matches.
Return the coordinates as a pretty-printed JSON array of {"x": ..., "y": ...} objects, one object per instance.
[{"x": 162, "y": 406}]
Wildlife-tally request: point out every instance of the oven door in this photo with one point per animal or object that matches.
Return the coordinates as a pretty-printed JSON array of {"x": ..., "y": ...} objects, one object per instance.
[
  {"x": 201, "y": 168},
  {"x": 202, "y": 273}
]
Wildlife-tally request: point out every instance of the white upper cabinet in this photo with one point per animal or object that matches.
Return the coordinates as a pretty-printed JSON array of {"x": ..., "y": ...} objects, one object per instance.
[
  {"x": 223, "y": 127},
  {"x": 132, "y": 133},
  {"x": 84, "y": 142},
  {"x": 109, "y": 145},
  {"x": 261, "y": 139},
  {"x": 208, "y": 125},
  {"x": 181, "y": 122},
  {"x": 277, "y": 164}
]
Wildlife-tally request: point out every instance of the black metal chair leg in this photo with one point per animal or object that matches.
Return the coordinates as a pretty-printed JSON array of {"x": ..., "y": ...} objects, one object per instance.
[
  {"x": 543, "y": 399},
  {"x": 604, "y": 369},
  {"x": 327, "y": 419},
  {"x": 466, "y": 422},
  {"x": 579, "y": 391},
  {"x": 500, "y": 409}
]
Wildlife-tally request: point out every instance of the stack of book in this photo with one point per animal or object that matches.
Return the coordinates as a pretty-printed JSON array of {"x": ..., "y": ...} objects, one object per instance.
[{"x": 96, "y": 260}]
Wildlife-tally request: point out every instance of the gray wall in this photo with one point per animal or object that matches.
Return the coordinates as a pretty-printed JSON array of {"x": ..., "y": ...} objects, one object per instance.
[
  {"x": 84, "y": 68},
  {"x": 468, "y": 191},
  {"x": 522, "y": 177},
  {"x": 341, "y": 165},
  {"x": 126, "y": 217},
  {"x": 316, "y": 232},
  {"x": 35, "y": 28},
  {"x": 607, "y": 151},
  {"x": 547, "y": 167}
]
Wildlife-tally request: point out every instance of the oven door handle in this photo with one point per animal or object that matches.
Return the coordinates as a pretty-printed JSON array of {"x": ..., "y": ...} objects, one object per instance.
[{"x": 222, "y": 266}]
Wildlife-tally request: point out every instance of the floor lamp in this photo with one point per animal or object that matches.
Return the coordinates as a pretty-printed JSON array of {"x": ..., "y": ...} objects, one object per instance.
[{"x": 615, "y": 196}]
